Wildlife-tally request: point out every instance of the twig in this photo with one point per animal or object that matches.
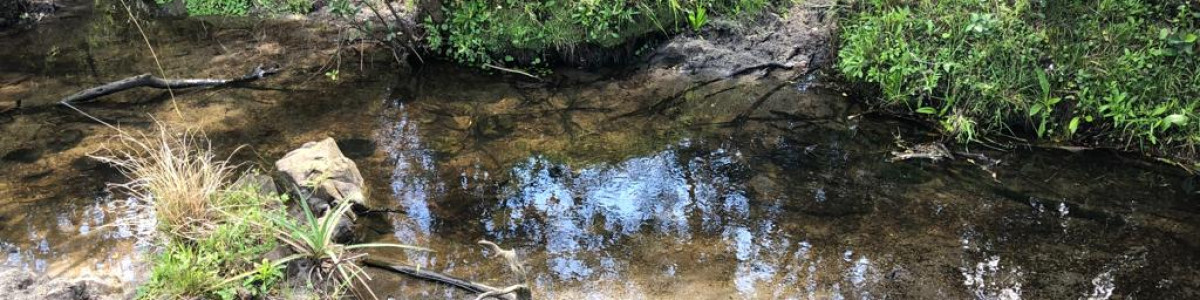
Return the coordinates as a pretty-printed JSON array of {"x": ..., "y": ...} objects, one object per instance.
[{"x": 514, "y": 71}]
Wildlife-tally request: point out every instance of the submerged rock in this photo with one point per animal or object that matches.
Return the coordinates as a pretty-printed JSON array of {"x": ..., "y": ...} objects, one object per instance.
[{"x": 18, "y": 284}]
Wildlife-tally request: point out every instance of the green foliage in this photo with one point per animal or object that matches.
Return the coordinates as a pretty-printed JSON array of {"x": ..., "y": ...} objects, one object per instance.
[
  {"x": 697, "y": 17},
  {"x": 180, "y": 272},
  {"x": 200, "y": 268},
  {"x": 313, "y": 239},
  {"x": 286, "y": 6},
  {"x": 477, "y": 32},
  {"x": 243, "y": 7},
  {"x": 342, "y": 8},
  {"x": 214, "y": 7},
  {"x": 1120, "y": 70}
]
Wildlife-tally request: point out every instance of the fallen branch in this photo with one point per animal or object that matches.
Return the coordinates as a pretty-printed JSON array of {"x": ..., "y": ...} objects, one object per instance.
[
  {"x": 147, "y": 80},
  {"x": 466, "y": 285},
  {"x": 514, "y": 292}
]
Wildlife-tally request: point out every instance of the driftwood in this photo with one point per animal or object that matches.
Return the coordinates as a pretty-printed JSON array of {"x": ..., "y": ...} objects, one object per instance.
[
  {"x": 147, "y": 80},
  {"x": 515, "y": 292}
]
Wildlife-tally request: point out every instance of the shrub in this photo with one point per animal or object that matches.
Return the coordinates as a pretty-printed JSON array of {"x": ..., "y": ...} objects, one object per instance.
[
  {"x": 1120, "y": 71},
  {"x": 477, "y": 32},
  {"x": 285, "y": 6}
]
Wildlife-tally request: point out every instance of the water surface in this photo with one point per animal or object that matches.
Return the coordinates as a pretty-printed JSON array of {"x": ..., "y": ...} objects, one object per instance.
[{"x": 637, "y": 183}]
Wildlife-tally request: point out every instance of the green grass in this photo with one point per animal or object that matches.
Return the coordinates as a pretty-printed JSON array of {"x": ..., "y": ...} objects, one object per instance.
[
  {"x": 1112, "y": 72},
  {"x": 477, "y": 32},
  {"x": 234, "y": 248}
]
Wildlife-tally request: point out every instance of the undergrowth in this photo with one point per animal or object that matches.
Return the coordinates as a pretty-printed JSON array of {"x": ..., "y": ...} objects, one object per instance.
[
  {"x": 1114, "y": 72},
  {"x": 235, "y": 247},
  {"x": 478, "y": 32},
  {"x": 243, "y": 7}
]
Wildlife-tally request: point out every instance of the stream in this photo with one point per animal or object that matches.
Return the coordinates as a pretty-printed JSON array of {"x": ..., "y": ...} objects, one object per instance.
[{"x": 628, "y": 183}]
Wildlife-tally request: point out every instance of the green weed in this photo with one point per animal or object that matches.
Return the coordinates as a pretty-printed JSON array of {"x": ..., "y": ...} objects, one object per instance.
[
  {"x": 697, "y": 17},
  {"x": 200, "y": 268},
  {"x": 1120, "y": 72},
  {"x": 478, "y": 32}
]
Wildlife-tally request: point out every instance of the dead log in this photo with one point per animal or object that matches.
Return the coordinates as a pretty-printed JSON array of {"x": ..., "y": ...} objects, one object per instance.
[{"x": 147, "y": 80}]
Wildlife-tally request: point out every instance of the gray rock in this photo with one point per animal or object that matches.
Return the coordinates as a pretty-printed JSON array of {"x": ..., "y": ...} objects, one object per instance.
[
  {"x": 324, "y": 174},
  {"x": 263, "y": 185},
  {"x": 775, "y": 45},
  {"x": 325, "y": 178}
]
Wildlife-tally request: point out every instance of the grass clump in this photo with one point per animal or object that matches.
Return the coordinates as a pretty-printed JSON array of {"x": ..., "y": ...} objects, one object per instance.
[
  {"x": 227, "y": 262},
  {"x": 477, "y": 32},
  {"x": 1120, "y": 72},
  {"x": 178, "y": 173}
]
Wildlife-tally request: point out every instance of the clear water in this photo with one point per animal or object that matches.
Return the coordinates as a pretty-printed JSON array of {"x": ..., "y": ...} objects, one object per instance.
[{"x": 627, "y": 184}]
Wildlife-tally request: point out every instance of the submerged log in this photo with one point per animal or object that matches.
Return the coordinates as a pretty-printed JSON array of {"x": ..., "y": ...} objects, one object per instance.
[
  {"x": 466, "y": 285},
  {"x": 147, "y": 80},
  {"x": 482, "y": 291}
]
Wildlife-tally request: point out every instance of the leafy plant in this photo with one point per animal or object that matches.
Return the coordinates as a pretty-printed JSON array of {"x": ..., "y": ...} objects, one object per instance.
[
  {"x": 287, "y": 6},
  {"x": 313, "y": 239},
  {"x": 479, "y": 32},
  {"x": 1118, "y": 71},
  {"x": 214, "y": 7},
  {"x": 181, "y": 272},
  {"x": 697, "y": 17}
]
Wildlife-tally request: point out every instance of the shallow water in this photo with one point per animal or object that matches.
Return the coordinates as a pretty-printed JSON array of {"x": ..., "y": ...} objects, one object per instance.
[{"x": 634, "y": 183}]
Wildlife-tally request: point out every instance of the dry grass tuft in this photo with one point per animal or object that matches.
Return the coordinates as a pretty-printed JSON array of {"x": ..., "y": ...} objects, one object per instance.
[{"x": 177, "y": 171}]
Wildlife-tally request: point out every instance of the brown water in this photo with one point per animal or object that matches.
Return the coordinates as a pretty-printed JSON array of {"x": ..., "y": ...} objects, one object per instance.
[{"x": 625, "y": 184}]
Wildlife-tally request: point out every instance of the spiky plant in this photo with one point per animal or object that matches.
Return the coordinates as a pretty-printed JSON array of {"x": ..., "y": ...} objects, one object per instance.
[{"x": 313, "y": 240}]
